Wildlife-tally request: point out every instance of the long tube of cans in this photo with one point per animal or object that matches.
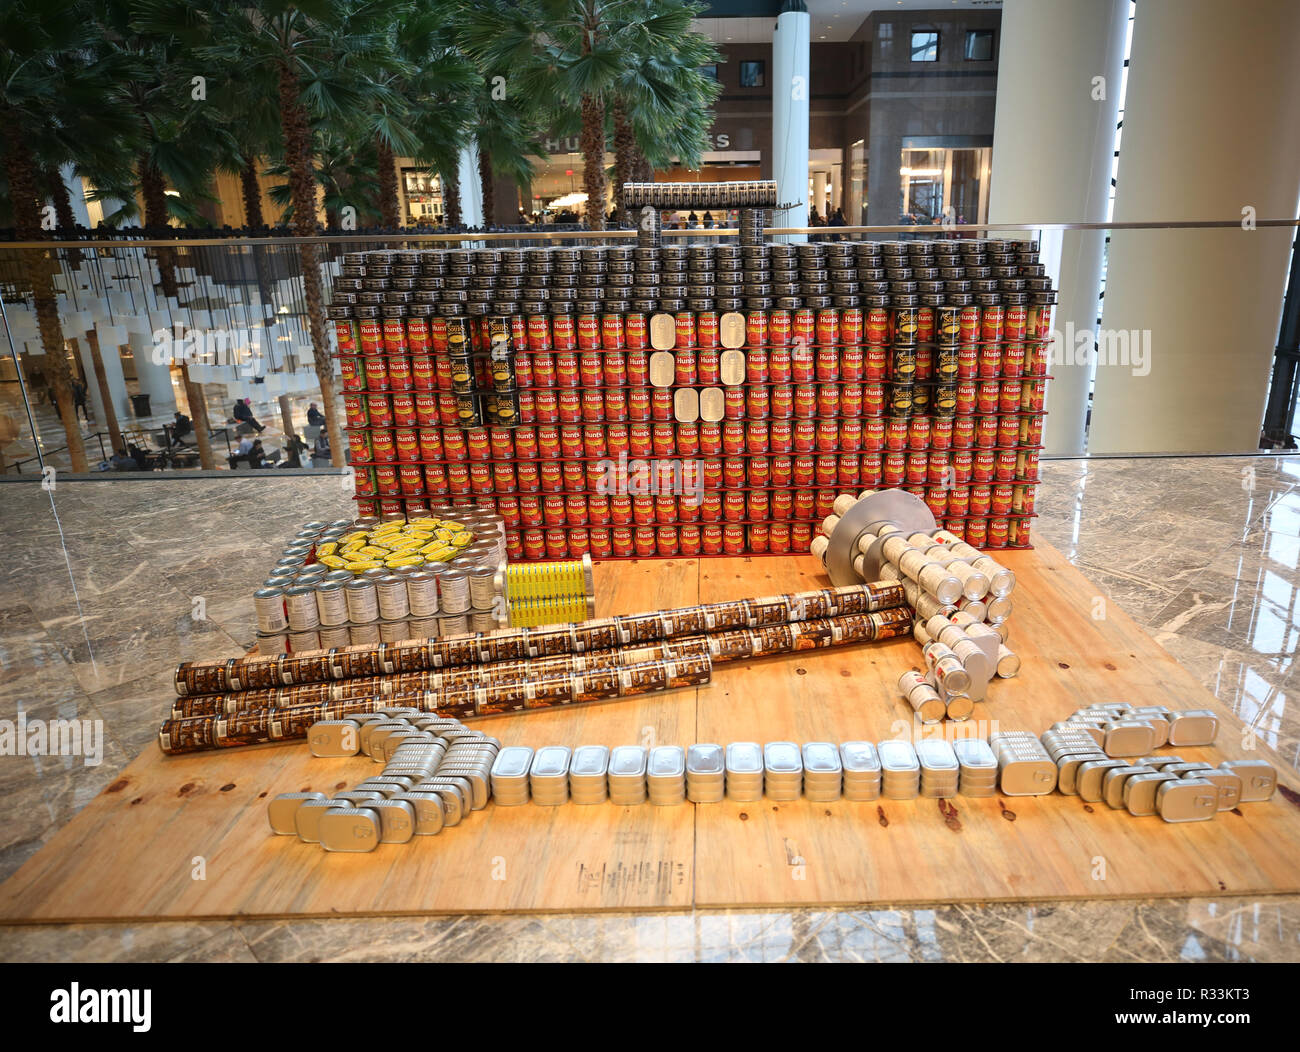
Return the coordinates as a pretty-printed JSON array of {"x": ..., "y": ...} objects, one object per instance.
[
  {"x": 257, "y": 671},
  {"x": 513, "y": 379},
  {"x": 692, "y": 658}
]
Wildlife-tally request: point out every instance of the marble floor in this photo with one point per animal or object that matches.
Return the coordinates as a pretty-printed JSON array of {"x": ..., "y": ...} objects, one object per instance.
[{"x": 102, "y": 580}]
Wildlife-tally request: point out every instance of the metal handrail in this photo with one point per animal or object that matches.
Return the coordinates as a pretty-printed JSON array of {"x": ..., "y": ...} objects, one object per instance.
[{"x": 621, "y": 234}]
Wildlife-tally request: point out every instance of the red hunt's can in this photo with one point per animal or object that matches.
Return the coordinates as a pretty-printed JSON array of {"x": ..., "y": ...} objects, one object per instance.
[
  {"x": 598, "y": 513},
  {"x": 426, "y": 409},
  {"x": 998, "y": 532},
  {"x": 937, "y": 469},
  {"x": 992, "y": 317},
  {"x": 573, "y": 474},
  {"x": 1032, "y": 396},
  {"x": 706, "y": 329},
  {"x": 685, "y": 372},
  {"x": 990, "y": 360},
  {"x": 756, "y": 329},
  {"x": 1013, "y": 359},
  {"x": 569, "y": 406},
  {"x": 757, "y": 436},
  {"x": 508, "y": 508},
  {"x": 873, "y": 398},
  {"x": 733, "y": 539},
  {"x": 759, "y": 539},
  {"x": 780, "y": 327},
  {"x": 1000, "y": 501},
  {"x": 781, "y": 401},
  {"x": 1015, "y": 320},
  {"x": 827, "y": 327},
  {"x": 557, "y": 544},
  {"x": 593, "y": 406},
  {"x": 529, "y": 478},
  {"x": 986, "y": 432},
  {"x": 758, "y": 471},
  {"x": 804, "y": 470},
  {"x": 685, "y": 325},
  {"x": 804, "y": 438},
  {"x": 503, "y": 478},
  {"x": 896, "y": 432},
  {"x": 780, "y": 365},
  {"x": 689, "y": 537},
  {"x": 538, "y": 328},
  {"x": 593, "y": 441},
  {"x": 480, "y": 478},
  {"x": 575, "y": 509},
  {"x": 958, "y": 501},
  {"x": 877, "y": 326},
  {"x": 1027, "y": 465},
  {"x": 438, "y": 334},
  {"x": 824, "y": 503},
  {"x": 636, "y": 331},
  {"x": 733, "y": 405},
  {"x": 591, "y": 368},
  {"x": 851, "y": 434},
  {"x": 1008, "y": 431},
  {"x": 645, "y": 541},
  {"x": 780, "y": 436},
  {"x": 981, "y": 497},
  {"x": 458, "y": 479},
  {"x": 357, "y": 414},
  {"x": 827, "y": 363},
  {"x": 800, "y": 536},
  {"x": 370, "y": 335},
  {"x": 828, "y": 435},
  {"x": 1009, "y": 392},
  {"x": 802, "y": 362},
  {"x": 620, "y": 541},
  {"x": 805, "y": 504},
  {"x": 543, "y": 366},
  {"x": 663, "y": 440},
  {"x": 666, "y": 540},
  {"x": 782, "y": 471},
  {"x": 805, "y": 401},
  {"x": 639, "y": 440},
  {"x": 477, "y": 443},
  {"x": 620, "y": 509},
  {"x": 567, "y": 373},
  {"x": 918, "y": 432},
  {"x": 779, "y": 538},
  {"x": 386, "y": 480},
  {"x": 916, "y": 469},
  {"x": 448, "y": 410},
  {"x": 588, "y": 332},
  {"x": 850, "y": 471},
  {"x": 733, "y": 506},
  {"x": 826, "y": 470},
  {"x": 982, "y": 466},
  {"x": 875, "y": 363},
  {"x": 708, "y": 371},
  {"x": 638, "y": 368},
  {"x": 430, "y": 444},
  {"x": 424, "y": 373},
  {"x": 638, "y": 404},
  {"x": 986, "y": 396},
  {"x": 353, "y": 372},
  {"x": 757, "y": 401},
  {"x": 936, "y": 499},
  {"x": 365, "y": 481},
  {"x": 851, "y": 326},
  {"x": 893, "y": 467},
  {"x": 382, "y": 448},
  {"x": 967, "y": 361},
  {"x": 756, "y": 370},
  {"x": 564, "y": 332},
  {"x": 870, "y": 471},
  {"x": 376, "y": 374},
  {"x": 612, "y": 335},
  {"x": 501, "y": 443},
  {"x": 661, "y": 404},
  {"x": 852, "y": 363},
  {"x": 970, "y": 323},
  {"x": 874, "y": 433},
  {"x": 399, "y": 373},
  {"x": 598, "y": 539},
  {"x": 711, "y": 540},
  {"x": 924, "y": 362},
  {"x": 711, "y": 506},
  {"x": 579, "y": 543}
]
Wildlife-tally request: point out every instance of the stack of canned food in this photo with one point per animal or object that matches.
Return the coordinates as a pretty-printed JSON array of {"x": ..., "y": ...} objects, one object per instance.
[
  {"x": 346, "y": 583},
  {"x": 547, "y": 593},
  {"x": 516, "y": 378}
]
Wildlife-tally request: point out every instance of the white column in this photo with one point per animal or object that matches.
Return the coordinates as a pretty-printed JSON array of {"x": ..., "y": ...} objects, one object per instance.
[
  {"x": 1209, "y": 131},
  {"x": 471, "y": 187},
  {"x": 154, "y": 379},
  {"x": 790, "y": 92},
  {"x": 1050, "y": 105},
  {"x": 76, "y": 191}
]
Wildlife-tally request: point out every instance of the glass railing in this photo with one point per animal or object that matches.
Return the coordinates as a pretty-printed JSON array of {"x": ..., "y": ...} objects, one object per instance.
[{"x": 152, "y": 337}]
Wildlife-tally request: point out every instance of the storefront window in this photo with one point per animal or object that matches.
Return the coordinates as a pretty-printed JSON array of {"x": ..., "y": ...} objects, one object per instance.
[
  {"x": 925, "y": 45},
  {"x": 939, "y": 182},
  {"x": 423, "y": 192}
]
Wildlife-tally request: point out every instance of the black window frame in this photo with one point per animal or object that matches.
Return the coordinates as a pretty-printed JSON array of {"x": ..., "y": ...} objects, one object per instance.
[
  {"x": 751, "y": 63},
  {"x": 711, "y": 69},
  {"x": 972, "y": 34},
  {"x": 922, "y": 31}
]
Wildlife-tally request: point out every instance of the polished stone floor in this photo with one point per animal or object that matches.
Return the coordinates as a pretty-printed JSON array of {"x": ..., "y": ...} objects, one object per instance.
[{"x": 103, "y": 580}]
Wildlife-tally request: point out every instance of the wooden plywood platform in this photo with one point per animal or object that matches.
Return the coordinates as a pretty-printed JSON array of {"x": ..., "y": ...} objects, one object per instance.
[{"x": 131, "y": 853}]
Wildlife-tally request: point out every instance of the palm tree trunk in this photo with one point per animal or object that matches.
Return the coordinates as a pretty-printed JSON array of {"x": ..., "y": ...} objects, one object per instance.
[
  {"x": 251, "y": 191},
  {"x": 625, "y": 151},
  {"x": 20, "y": 169},
  {"x": 389, "y": 214},
  {"x": 302, "y": 185},
  {"x": 450, "y": 199},
  {"x": 592, "y": 144},
  {"x": 62, "y": 200},
  {"x": 488, "y": 187},
  {"x": 105, "y": 395},
  {"x": 642, "y": 170}
]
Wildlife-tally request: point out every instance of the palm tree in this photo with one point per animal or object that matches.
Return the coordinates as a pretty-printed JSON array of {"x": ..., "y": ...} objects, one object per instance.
[
  {"x": 575, "y": 51},
  {"x": 662, "y": 102},
  {"x": 346, "y": 177},
  {"x": 328, "y": 58},
  {"x": 46, "y": 55}
]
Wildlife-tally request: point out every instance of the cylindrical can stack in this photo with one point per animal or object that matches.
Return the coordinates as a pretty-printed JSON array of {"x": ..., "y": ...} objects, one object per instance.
[
  {"x": 355, "y": 583},
  {"x": 547, "y": 593},
  {"x": 596, "y": 399}
]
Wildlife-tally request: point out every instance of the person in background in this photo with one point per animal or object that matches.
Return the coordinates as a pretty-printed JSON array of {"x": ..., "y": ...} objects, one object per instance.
[
  {"x": 314, "y": 416},
  {"x": 181, "y": 427},
  {"x": 320, "y": 452},
  {"x": 122, "y": 461},
  {"x": 692, "y": 221},
  {"x": 709, "y": 221},
  {"x": 838, "y": 218},
  {"x": 295, "y": 447},
  {"x": 815, "y": 218},
  {"x": 79, "y": 399},
  {"x": 245, "y": 446},
  {"x": 256, "y": 454},
  {"x": 243, "y": 412}
]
